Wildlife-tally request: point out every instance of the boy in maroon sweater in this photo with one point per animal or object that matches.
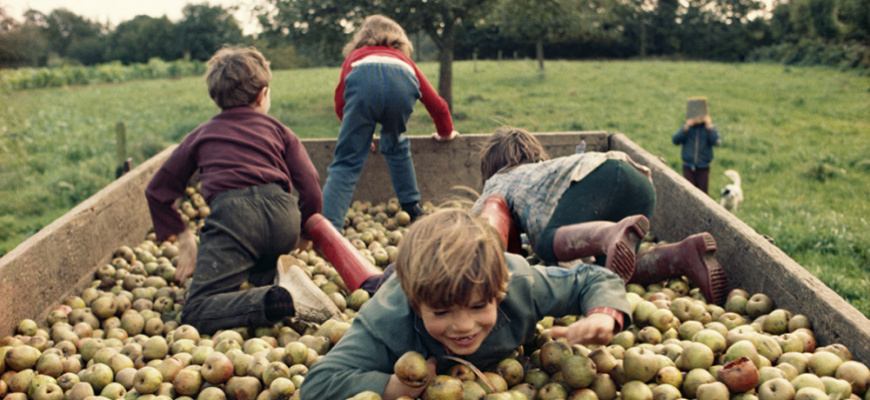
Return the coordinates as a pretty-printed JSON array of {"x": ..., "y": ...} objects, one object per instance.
[{"x": 249, "y": 164}]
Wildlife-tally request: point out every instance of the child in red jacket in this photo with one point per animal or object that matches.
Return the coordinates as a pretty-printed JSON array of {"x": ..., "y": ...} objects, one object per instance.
[{"x": 379, "y": 84}]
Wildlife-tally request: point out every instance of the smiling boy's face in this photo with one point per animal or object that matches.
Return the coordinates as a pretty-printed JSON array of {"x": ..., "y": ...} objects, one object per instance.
[{"x": 461, "y": 329}]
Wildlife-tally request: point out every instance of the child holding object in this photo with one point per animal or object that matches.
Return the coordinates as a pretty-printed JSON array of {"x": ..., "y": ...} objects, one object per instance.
[
  {"x": 249, "y": 164},
  {"x": 587, "y": 204},
  {"x": 457, "y": 293},
  {"x": 379, "y": 84},
  {"x": 697, "y": 136}
]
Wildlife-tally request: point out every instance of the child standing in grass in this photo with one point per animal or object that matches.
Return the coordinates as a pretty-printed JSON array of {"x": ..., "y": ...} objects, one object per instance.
[
  {"x": 587, "y": 204},
  {"x": 456, "y": 293},
  {"x": 249, "y": 164},
  {"x": 697, "y": 136},
  {"x": 379, "y": 84}
]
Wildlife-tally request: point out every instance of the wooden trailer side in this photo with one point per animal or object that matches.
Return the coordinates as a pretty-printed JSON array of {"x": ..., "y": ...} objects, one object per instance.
[
  {"x": 751, "y": 262},
  {"x": 61, "y": 258},
  {"x": 441, "y": 166}
]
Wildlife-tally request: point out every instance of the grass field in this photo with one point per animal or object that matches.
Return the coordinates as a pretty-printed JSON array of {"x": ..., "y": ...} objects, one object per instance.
[{"x": 800, "y": 137}]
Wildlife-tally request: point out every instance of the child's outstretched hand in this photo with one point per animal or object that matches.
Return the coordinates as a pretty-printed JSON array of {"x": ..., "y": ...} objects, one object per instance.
[
  {"x": 186, "y": 256},
  {"x": 440, "y": 138},
  {"x": 595, "y": 328}
]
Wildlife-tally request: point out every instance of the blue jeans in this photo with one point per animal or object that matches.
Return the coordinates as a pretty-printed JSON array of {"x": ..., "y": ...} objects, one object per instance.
[
  {"x": 374, "y": 94},
  {"x": 240, "y": 241}
]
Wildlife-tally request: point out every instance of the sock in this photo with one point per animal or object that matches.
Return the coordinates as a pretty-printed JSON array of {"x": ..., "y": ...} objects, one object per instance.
[{"x": 279, "y": 304}]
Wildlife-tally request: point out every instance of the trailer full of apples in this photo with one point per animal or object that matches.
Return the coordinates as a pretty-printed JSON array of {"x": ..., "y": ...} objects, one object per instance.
[{"x": 121, "y": 337}]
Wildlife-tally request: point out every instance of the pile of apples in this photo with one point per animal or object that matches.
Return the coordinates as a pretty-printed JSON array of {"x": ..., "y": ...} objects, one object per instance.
[
  {"x": 678, "y": 347},
  {"x": 121, "y": 338}
]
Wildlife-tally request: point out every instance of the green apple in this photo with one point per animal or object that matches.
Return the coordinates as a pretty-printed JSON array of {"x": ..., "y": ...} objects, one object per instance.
[
  {"x": 640, "y": 364},
  {"x": 776, "y": 389},
  {"x": 147, "y": 380},
  {"x": 713, "y": 391},
  {"x": 823, "y": 363},
  {"x": 695, "y": 355}
]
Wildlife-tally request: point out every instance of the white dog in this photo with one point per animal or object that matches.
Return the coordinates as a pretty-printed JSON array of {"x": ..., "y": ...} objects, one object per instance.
[{"x": 732, "y": 193}]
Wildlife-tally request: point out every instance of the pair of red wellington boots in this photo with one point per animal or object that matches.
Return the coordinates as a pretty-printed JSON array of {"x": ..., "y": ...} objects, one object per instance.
[{"x": 693, "y": 257}]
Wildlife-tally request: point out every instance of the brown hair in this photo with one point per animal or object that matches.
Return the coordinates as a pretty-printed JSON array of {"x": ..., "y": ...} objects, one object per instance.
[
  {"x": 509, "y": 147},
  {"x": 378, "y": 30},
  {"x": 236, "y": 75},
  {"x": 449, "y": 255}
]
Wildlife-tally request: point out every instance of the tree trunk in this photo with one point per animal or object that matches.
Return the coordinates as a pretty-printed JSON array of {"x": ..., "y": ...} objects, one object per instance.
[
  {"x": 539, "y": 53},
  {"x": 643, "y": 37},
  {"x": 445, "y": 57}
]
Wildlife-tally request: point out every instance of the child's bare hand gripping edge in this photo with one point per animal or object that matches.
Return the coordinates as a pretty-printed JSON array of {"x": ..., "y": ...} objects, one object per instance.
[{"x": 595, "y": 328}]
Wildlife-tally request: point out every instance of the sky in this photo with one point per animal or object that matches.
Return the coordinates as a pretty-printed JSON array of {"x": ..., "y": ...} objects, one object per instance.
[{"x": 117, "y": 11}]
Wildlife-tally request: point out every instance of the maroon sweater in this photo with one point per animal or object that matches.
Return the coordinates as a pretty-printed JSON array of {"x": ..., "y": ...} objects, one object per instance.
[{"x": 238, "y": 148}]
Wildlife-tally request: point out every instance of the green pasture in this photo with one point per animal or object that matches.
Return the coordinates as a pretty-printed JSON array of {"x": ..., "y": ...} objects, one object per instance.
[{"x": 799, "y": 136}]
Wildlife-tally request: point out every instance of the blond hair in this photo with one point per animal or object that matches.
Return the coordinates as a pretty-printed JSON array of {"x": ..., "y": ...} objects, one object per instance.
[
  {"x": 509, "y": 147},
  {"x": 378, "y": 30},
  {"x": 447, "y": 257},
  {"x": 236, "y": 75}
]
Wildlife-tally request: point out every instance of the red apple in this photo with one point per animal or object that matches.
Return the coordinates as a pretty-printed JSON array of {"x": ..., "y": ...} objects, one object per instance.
[{"x": 739, "y": 375}]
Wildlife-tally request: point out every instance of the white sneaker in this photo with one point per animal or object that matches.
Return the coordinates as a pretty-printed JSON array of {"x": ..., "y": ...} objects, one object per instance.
[{"x": 310, "y": 302}]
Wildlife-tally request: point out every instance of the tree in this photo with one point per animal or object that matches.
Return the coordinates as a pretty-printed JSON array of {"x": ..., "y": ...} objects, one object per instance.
[
  {"x": 205, "y": 29},
  {"x": 326, "y": 24},
  {"x": 439, "y": 19},
  {"x": 824, "y": 19},
  {"x": 21, "y": 45},
  {"x": 536, "y": 21},
  {"x": 666, "y": 33},
  {"x": 63, "y": 28},
  {"x": 141, "y": 38},
  {"x": 855, "y": 15},
  {"x": 319, "y": 29},
  {"x": 559, "y": 21}
]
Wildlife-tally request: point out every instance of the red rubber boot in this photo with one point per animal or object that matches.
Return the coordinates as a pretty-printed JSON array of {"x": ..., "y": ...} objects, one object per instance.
[
  {"x": 334, "y": 247},
  {"x": 496, "y": 211},
  {"x": 694, "y": 258},
  {"x": 617, "y": 240}
]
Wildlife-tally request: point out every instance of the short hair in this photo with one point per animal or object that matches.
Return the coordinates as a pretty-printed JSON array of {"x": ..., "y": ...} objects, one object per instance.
[
  {"x": 236, "y": 75},
  {"x": 378, "y": 30},
  {"x": 508, "y": 147},
  {"x": 448, "y": 256}
]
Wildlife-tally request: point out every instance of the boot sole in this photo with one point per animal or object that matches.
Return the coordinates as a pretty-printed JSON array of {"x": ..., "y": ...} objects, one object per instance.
[
  {"x": 623, "y": 257},
  {"x": 716, "y": 288}
]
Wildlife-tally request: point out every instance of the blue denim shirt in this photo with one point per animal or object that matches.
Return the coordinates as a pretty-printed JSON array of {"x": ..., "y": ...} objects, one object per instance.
[{"x": 386, "y": 327}]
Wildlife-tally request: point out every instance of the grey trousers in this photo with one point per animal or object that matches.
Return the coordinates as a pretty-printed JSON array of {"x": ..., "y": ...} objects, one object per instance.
[{"x": 241, "y": 240}]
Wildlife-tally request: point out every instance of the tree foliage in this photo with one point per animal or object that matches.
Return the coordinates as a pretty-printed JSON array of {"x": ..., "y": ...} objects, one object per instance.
[
  {"x": 205, "y": 29},
  {"x": 313, "y": 32},
  {"x": 128, "y": 46},
  {"x": 323, "y": 27},
  {"x": 69, "y": 38}
]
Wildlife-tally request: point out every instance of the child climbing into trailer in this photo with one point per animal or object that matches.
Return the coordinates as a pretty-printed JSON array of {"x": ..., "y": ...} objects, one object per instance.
[
  {"x": 248, "y": 163},
  {"x": 379, "y": 84},
  {"x": 587, "y": 204}
]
